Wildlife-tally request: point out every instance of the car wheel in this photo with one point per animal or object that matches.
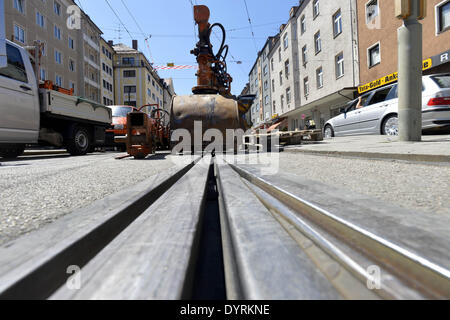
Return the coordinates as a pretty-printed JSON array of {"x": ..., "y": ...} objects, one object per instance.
[
  {"x": 329, "y": 132},
  {"x": 80, "y": 143},
  {"x": 390, "y": 126}
]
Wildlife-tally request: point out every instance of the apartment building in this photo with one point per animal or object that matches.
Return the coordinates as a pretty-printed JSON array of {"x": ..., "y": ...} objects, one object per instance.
[
  {"x": 70, "y": 39},
  {"x": 327, "y": 46},
  {"x": 107, "y": 76},
  {"x": 284, "y": 69},
  {"x": 266, "y": 92},
  {"x": 47, "y": 22},
  {"x": 378, "y": 47},
  {"x": 136, "y": 82},
  {"x": 255, "y": 89},
  {"x": 89, "y": 37}
]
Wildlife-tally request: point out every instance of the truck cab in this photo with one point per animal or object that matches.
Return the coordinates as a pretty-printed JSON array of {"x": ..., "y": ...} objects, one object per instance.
[{"x": 19, "y": 101}]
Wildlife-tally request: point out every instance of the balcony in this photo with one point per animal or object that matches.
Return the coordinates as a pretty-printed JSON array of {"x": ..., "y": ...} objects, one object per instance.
[
  {"x": 91, "y": 82},
  {"x": 92, "y": 63},
  {"x": 91, "y": 43}
]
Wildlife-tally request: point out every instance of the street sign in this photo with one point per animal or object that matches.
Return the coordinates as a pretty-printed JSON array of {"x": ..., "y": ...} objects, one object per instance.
[{"x": 393, "y": 77}]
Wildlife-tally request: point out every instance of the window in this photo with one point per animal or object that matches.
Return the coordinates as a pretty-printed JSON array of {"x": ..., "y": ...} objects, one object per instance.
[
  {"x": 59, "y": 81},
  {"x": 128, "y": 61},
  {"x": 443, "y": 16},
  {"x": 305, "y": 55},
  {"x": 57, "y": 32},
  {"x": 271, "y": 64},
  {"x": 265, "y": 69},
  {"x": 71, "y": 65},
  {"x": 129, "y": 89},
  {"x": 15, "y": 68},
  {"x": 316, "y": 9},
  {"x": 288, "y": 95},
  {"x": 279, "y": 55},
  {"x": 265, "y": 85},
  {"x": 282, "y": 102},
  {"x": 57, "y": 8},
  {"x": 42, "y": 75},
  {"x": 58, "y": 57},
  {"x": 319, "y": 77},
  {"x": 40, "y": 20},
  {"x": 19, "y": 34},
  {"x": 317, "y": 42},
  {"x": 380, "y": 95},
  {"x": 281, "y": 78},
  {"x": 19, "y": 5},
  {"x": 372, "y": 10},
  {"x": 273, "y": 85},
  {"x": 72, "y": 85},
  {"x": 274, "y": 106},
  {"x": 266, "y": 100},
  {"x": 303, "y": 24},
  {"x": 286, "y": 69},
  {"x": 306, "y": 86},
  {"x": 339, "y": 65},
  {"x": 129, "y": 73},
  {"x": 71, "y": 43},
  {"x": 374, "y": 55},
  {"x": 286, "y": 41},
  {"x": 337, "y": 23}
]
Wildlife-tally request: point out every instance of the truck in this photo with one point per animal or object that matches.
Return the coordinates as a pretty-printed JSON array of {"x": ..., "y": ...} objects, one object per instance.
[{"x": 33, "y": 112}]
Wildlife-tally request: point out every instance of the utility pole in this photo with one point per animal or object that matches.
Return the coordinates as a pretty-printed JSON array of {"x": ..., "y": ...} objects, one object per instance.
[
  {"x": 3, "y": 57},
  {"x": 410, "y": 68}
]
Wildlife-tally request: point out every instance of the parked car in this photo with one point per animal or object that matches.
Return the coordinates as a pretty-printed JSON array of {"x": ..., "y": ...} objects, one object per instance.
[
  {"x": 379, "y": 112},
  {"x": 119, "y": 125}
]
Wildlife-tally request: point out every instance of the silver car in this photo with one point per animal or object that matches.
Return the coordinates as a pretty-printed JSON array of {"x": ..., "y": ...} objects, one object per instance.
[{"x": 379, "y": 112}]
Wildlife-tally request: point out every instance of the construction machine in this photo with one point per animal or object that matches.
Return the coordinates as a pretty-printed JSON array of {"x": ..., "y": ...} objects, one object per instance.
[
  {"x": 145, "y": 133},
  {"x": 212, "y": 104}
]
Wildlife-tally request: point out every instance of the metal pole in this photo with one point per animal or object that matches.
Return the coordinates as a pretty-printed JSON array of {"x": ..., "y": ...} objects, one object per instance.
[{"x": 410, "y": 76}]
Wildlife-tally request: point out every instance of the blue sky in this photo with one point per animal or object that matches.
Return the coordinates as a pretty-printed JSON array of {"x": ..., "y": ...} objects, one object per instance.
[{"x": 171, "y": 26}]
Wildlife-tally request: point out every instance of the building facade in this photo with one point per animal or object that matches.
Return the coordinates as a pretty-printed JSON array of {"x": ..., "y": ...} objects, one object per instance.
[
  {"x": 255, "y": 85},
  {"x": 136, "y": 82},
  {"x": 107, "y": 75},
  {"x": 47, "y": 23},
  {"x": 70, "y": 42},
  {"x": 377, "y": 29},
  {"x": 327, "y": 45},
  {"x": 89, "y": 62}
]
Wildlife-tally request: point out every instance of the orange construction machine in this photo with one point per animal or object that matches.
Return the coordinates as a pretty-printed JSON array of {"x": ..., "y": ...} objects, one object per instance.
[
  {"x": 146, "y": 132},
  {"x": 212, "y": 103}
]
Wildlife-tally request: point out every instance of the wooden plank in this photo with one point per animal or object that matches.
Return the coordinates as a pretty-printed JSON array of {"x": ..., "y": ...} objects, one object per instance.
[{"x": 155, "y": 256}]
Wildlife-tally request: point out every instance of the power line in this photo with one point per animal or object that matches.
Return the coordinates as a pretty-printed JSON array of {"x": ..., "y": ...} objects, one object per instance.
[
  {"x": 140, "y": 29},
  {"x": 251, "y": 26},
  {"x": 117, "y": 16}
]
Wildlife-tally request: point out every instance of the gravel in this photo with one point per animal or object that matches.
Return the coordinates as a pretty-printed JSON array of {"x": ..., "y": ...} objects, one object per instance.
[
  {"x": 421, "y": 187},
  {"x": 37, "y": 192}
]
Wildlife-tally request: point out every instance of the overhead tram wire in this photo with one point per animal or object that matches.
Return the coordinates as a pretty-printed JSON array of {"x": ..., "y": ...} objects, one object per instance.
[
  {"x": 251, "y": 26},
  {"x": 140, "y": 29},
  {"x": 117, "y": 16}
]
